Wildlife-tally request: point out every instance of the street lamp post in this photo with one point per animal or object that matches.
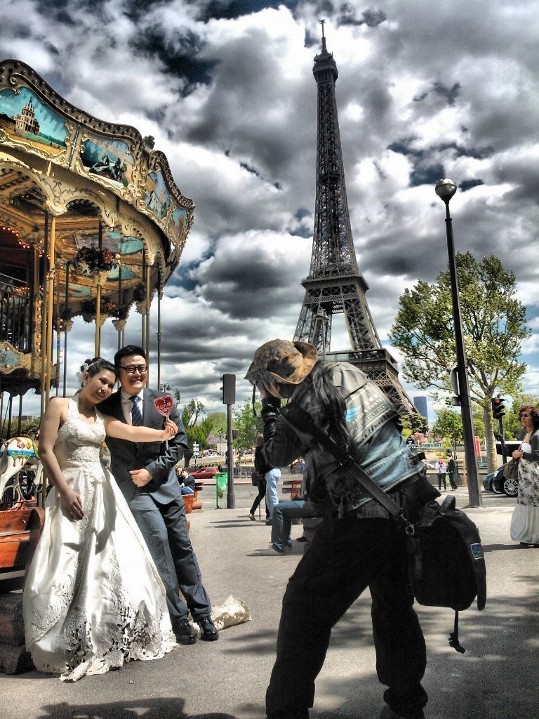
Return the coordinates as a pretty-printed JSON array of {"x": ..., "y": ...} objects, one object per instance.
[{"x": 445, "y": 189}]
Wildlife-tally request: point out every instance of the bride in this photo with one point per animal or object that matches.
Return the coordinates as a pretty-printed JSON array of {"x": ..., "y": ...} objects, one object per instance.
[{"x": 93, "y": 598}]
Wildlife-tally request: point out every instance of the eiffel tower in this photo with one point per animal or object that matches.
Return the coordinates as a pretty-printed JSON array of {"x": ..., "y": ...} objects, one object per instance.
[{"x": 334, "y": 284}]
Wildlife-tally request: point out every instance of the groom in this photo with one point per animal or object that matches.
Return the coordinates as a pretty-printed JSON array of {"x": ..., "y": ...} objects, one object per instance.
[{"x": 143, "y": 473}]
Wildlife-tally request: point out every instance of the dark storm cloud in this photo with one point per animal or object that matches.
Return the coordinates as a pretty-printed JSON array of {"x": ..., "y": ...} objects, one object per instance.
[
  {"x": 427, "y": 175},
  {"x": 64, "y": 11},
  {"x": 179, "y": 53},
  {"x": 136, "y": 10},
  {"x": 248, "y": 282},
  {"x": 233, "y": 9},
  {"x": 450, "y": 93},
  {"x": 469, "y": 184},
  {"x": 350, "y": 16}
]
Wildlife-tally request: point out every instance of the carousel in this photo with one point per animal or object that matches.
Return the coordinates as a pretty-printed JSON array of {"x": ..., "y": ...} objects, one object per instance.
[{"x": 92, "y": 225}]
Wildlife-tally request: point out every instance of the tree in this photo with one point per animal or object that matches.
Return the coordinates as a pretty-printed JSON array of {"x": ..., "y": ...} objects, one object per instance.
[
  {"x": 199, "y": 433},
  {"x": 412, "y": 422},
  {"x": 191, "y": 413},
  {"x": 448, "y": 425},
  {"x": 197, "y": 430},
  {"x": 219, "y": 422},
  {"x": 493, "y": 323},
  {"x": 247, "y": 426}
]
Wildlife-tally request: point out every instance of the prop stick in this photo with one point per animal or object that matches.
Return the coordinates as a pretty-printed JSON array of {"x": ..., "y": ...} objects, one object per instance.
[{"x": 164, "y": 405}]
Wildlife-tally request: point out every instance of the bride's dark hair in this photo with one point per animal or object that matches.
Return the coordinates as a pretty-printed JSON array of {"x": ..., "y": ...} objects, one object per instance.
[{"x": 95, "y": 365}]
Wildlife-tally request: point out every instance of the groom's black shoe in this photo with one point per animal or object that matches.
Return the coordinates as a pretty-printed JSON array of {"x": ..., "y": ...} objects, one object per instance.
[
  {"x": 184, "y": 633},
  {"x": 208, "y": 631}
]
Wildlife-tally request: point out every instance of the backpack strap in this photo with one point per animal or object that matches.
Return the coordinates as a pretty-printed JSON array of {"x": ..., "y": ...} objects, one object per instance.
[{"x": 454, "y": 636}]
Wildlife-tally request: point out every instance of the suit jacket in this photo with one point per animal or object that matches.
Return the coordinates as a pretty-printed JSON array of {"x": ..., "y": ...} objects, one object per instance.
[{"x": 153, "y": 456}]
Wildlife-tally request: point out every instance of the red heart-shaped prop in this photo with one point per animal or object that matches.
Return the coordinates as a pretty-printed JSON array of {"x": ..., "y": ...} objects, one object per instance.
[{"x": 164, "y": 404}]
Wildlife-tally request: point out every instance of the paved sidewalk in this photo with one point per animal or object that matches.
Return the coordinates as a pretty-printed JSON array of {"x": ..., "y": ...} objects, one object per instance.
[{"x": 495, "y": 679}]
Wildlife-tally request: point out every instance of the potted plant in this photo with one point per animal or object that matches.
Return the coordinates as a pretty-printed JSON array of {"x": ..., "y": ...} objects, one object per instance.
[{"x": 89, "y": 260}]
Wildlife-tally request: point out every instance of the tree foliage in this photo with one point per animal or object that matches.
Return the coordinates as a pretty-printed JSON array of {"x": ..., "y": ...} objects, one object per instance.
[
  {"x": 196, "y": 429},
  {"x": 219, "y": 423},
  {"x": 448, "y": 426},
  {"x": 493, "y": 325},
  {"x": 247, "y": 426},
  {"x": 413, "y": 422}
]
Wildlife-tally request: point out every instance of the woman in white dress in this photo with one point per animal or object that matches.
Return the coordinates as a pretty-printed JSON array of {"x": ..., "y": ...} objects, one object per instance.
[
  {"x": 525, "y": 519},
  {"x": 93, "y": 598}
]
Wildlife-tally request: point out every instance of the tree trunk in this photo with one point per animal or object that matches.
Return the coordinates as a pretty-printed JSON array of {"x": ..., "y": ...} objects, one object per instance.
[{"x": 490, "y": 427}]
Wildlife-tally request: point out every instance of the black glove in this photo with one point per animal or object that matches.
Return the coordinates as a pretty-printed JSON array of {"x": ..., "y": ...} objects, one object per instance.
[{"x": 271, "y": 408}]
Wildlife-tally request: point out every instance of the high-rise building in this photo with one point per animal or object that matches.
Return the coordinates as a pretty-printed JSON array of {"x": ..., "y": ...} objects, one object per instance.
[{"x": 421, "y": 406}]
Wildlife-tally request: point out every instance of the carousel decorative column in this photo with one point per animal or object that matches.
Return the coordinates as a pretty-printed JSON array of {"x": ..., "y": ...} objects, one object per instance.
[
  {"x": 41, "y": 305},
  {"x": 120, "y": 327},
  {"x": 159, "y": 333},
  {"x": 100, "y": 317},
  {"x": 49, "y": 312},
  {"x": 68, "y": 326},
  {"x": 50, "y": 305}
]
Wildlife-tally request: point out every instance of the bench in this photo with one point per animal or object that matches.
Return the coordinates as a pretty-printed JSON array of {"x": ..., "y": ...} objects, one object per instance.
[
  {"x": 20, "y": 530},
  {"x": 292, "y": 487},
  {"x": 197, "y": 504}
]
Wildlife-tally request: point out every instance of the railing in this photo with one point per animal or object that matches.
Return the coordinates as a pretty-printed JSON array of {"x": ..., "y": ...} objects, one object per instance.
[{"x": 16, "y": 313}]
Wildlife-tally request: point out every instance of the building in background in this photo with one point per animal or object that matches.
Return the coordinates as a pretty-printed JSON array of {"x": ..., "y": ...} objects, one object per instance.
[{"x": 420, "y": 404}]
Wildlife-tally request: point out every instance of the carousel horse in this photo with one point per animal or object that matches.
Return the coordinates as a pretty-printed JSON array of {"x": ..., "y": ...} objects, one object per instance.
[{"x": 17, "y": 454}]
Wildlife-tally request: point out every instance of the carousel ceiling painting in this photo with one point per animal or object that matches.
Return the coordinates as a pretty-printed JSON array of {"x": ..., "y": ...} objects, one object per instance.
[{"x": 91, "y": 224}]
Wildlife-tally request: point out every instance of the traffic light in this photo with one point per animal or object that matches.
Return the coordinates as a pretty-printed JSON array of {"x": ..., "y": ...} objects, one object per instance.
[
  {"x": 229, "y": 388},
  {"x": 498, "y": 410}
]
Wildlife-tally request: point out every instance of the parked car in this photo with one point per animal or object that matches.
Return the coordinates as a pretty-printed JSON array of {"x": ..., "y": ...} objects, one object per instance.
[
  {"x": 496, "y": 482},
  {"x": 204, "y": 472}
]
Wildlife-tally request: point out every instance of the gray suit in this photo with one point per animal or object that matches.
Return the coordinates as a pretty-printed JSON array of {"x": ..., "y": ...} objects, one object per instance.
[{"x": 158, "y": 507}]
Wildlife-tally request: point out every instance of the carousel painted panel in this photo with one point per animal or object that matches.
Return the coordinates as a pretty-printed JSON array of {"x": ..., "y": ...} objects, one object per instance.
[
  {"x": 157, "y": 196},
  {"x": 28, "y": 121},
  {"x": 108, "y": 160}
]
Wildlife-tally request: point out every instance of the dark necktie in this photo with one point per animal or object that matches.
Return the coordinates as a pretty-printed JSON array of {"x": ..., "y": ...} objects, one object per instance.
[{"x": 136, "y": 414}]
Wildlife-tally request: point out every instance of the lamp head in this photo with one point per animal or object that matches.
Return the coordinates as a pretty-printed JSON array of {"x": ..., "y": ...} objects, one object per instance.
[{"x": 445, "y": 189}]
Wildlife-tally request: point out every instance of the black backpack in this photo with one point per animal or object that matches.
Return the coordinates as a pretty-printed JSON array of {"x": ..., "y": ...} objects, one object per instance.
[{"x": 447, "y": 566}]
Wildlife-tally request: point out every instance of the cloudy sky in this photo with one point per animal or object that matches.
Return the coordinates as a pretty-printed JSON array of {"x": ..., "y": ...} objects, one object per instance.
[{"x": 426, "y": 89}]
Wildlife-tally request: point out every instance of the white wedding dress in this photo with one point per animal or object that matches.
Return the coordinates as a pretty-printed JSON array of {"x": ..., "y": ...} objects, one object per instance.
[{"x": 93, "y": 598}]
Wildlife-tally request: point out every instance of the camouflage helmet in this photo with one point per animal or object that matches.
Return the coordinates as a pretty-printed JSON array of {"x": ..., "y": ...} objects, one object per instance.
[{"x": 282, "y": 362}]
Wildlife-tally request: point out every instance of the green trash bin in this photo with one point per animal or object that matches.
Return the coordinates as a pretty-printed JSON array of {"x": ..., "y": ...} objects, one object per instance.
[{"x": 221, "y": 482}]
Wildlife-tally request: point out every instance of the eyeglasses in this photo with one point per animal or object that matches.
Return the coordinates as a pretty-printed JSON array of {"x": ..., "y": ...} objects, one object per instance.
[
  {"x": 525, "y": 414},
  {"x": 132, "y": 368}
]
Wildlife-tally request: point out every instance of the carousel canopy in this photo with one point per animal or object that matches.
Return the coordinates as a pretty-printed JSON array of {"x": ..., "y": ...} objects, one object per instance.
[{"x": 84, "y": 204}]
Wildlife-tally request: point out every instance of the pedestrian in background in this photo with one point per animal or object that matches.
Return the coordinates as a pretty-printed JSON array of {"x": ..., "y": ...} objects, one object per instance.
[
  {"x": 441, "y": 469},
  {"x": 452, "y": 471},
  {"x": 272, "y": 476},
  {"x": 261, "y": 469},
  {"x": 525, "y": 518}
]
